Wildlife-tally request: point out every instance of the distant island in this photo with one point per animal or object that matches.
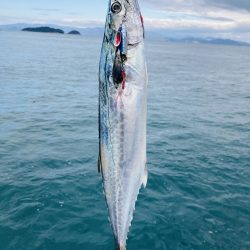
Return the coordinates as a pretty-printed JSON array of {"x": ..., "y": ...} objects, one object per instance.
[
  {"x": 44, "y": 29},
  {"x": 74, "y": 32},
  {"x": 47, "y": 29}
]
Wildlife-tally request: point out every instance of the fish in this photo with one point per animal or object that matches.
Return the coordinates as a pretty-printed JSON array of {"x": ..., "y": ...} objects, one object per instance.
[{"x": 123, "y": 82}]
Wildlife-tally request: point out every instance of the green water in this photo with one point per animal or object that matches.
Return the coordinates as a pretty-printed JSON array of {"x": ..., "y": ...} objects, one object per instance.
[{"x": 198, "y": 147}]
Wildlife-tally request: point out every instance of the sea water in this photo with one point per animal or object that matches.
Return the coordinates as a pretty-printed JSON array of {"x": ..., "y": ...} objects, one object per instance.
[{"x": 51, "y": 194}]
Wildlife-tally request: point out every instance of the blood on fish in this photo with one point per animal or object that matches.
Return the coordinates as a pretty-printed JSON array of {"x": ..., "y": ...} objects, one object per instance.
[
  {"x": 142, "y": 20},
  {"x": 118, "y": 39}
]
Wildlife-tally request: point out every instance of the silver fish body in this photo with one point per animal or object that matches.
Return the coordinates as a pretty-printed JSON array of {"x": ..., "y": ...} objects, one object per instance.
[{"x": 122, "y": 114}]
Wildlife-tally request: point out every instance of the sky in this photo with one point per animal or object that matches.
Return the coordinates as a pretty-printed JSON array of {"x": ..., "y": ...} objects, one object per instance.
[{"x": 210, "y": 18}]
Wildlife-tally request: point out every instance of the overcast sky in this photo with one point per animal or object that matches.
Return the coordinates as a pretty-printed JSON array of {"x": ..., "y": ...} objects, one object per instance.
[{"x": 220, "y": 18}]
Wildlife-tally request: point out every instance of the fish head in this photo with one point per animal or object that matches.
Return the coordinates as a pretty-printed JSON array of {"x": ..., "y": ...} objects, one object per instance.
[
  {"x": 126, "y": 15},
  {"x": 116, "y": 15}
]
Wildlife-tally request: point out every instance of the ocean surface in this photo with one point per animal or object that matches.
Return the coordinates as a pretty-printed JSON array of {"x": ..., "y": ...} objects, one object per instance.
[{"x": 198, "y": 193}]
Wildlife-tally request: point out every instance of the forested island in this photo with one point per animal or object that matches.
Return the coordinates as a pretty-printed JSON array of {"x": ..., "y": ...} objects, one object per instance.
[
  {"x": 74, "y": 32},
  {"x": 44, "y": 29}
]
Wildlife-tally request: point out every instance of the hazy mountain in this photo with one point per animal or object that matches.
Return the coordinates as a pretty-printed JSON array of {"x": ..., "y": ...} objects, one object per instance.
[{"x": 208, "y": 40}]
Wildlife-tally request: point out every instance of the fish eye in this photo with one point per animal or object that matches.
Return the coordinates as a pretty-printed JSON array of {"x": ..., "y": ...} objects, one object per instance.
[{"x": 116, "y": 7}]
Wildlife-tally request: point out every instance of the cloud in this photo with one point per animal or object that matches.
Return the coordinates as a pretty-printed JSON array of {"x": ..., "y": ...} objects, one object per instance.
[
  {"x": 232, "y": 4},
  {"x": 194, "y": 4},
  {"x": 191, "y": 23},
  {"x": 224, "y": 17}
]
